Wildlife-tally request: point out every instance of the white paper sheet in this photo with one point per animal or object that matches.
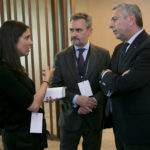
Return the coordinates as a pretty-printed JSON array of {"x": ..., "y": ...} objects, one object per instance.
[
  {"x": 85, "y": 88},
  {"x": 36, "y": 122}
]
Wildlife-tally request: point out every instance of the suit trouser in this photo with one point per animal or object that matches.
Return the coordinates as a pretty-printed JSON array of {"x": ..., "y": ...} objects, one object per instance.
[
  {"x": 137, "y": 147},
  {"x": 108, "y": 123},
  {"x": 121, "y": 146},
  {"x": 69, "y": 140}
]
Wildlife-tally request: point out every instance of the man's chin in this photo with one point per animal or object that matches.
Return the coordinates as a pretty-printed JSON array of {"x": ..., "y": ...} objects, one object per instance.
[
  {"x": 117, "y": 36},
  {"x": 75, "y": 43}
]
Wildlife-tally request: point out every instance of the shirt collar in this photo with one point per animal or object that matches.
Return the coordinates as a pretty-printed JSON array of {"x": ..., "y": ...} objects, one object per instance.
[{"x": 134, "y": 37}]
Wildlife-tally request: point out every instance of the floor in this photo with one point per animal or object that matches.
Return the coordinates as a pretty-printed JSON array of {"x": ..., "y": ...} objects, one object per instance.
[{"x": 107, "y": 138}]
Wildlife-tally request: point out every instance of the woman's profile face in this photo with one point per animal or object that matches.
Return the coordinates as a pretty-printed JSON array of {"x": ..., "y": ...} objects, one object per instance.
[{"x": 24, "y": 43}]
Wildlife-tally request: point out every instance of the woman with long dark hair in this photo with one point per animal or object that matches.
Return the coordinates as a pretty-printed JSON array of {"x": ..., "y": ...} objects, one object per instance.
[{"x": 18, "y": 100}]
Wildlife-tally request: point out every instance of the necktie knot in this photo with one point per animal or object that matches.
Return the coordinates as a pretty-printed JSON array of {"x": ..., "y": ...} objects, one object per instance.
[
  {"x": 81, "y": 50},
  {"x": 126, "y": 44}
]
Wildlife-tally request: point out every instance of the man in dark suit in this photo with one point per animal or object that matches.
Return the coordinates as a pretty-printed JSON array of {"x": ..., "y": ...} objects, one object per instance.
[
  {"x": 81, "y": 113},
  {"x": 128, "y": 80}
]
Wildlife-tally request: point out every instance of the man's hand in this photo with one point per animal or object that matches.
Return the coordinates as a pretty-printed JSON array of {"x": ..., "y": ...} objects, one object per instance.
[
  {"x": 84, "y": 110},
  {"x": 104, "y": 72},
  {"x": 86, "y": 101},
  {"x": 126, "y": 72}
]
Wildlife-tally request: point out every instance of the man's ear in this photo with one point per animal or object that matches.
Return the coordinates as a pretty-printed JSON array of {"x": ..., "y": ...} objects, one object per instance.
[{"x": 90, "y": 30}]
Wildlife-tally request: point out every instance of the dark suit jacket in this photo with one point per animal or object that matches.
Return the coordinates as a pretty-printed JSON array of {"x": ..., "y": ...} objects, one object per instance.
[
  {"x": 66, "y": 75},
  {"x": 131, "y": 97}
]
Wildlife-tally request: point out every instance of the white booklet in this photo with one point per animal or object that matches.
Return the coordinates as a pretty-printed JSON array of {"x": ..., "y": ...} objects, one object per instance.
[{"x": 57, "y": 92}]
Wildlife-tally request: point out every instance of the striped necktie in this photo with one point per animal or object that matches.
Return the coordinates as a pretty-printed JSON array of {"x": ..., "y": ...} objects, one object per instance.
[
  {"x": 123, "y": 51},
  {"x": 80, "y": 61}
]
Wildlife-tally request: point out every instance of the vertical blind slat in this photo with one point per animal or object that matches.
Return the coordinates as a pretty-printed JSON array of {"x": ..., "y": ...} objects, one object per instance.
[
  {"x": 2, "y": 11},
  {"x": 32, "y": 52},
  {"x": 39, "y": 38},
  {"x": 23, "y": 18},
  {"x": 8, "y": 9},
  {"x": 15, "y": 9},
  {"x": 48, "y": 62}
]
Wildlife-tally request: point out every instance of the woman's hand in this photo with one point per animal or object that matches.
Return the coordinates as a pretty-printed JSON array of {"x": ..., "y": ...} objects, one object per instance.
[
  {"x": 48, "y": 73},
  {"x": 50, "y": 99}
]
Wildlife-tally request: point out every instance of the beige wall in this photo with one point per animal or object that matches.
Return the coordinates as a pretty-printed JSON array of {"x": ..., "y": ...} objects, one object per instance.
[{"x": 101, "y": 11}]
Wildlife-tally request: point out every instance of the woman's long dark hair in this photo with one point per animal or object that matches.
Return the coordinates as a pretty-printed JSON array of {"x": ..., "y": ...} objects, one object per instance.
[{"x": 10, "y": 32}]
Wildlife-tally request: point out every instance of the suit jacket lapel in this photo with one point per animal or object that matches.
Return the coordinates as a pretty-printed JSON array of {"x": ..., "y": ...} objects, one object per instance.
[
  {"x": 71, "y": 63},
  {"x": 131, "y": 53},
  {"x": 136, "y": 43},
  {"x": 91, "y": 61}
]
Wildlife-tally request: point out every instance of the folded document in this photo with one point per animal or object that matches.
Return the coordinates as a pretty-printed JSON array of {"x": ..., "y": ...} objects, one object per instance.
[{"x": 58, "y": 92}]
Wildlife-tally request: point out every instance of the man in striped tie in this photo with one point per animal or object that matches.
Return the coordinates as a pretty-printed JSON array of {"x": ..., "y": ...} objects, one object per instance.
[{"x": 78, "y": 68}]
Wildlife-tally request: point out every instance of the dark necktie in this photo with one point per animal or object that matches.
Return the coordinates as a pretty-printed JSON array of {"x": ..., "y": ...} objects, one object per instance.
[
  {"x": 123, "y": 51},
  {"x": 81, "y": 62},
  {"x": 107, "y": 108}
]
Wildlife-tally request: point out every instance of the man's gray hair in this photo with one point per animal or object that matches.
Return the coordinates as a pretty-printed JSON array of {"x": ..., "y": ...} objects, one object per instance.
[
  {"x": 86, "y": 17},
  {"x": 128, "y": 9}
]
